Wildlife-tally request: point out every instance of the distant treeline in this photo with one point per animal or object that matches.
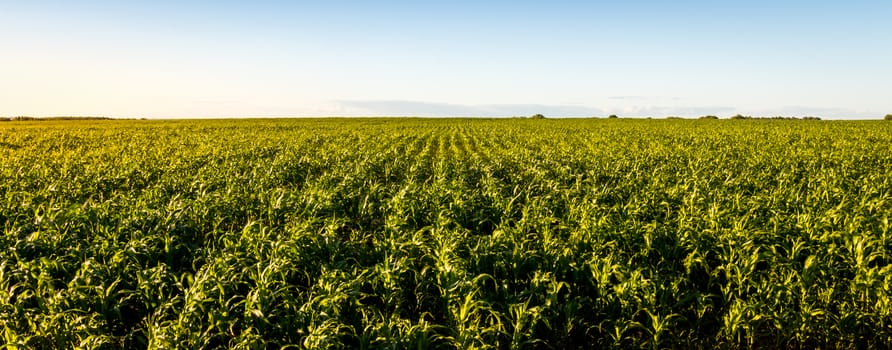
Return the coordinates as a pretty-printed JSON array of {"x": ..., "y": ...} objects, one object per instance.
[
  {"x": 26, "y": 118},
  {"x": 739, "y": 116},
  {"x": 776, "y": 118}
]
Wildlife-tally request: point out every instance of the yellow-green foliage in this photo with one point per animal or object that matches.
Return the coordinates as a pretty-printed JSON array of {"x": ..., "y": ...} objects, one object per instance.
[{"x": 399, "y": 233}]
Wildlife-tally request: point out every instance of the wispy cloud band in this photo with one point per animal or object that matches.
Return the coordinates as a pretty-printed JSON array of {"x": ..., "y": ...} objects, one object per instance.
[{"x": 435, "y": 109}]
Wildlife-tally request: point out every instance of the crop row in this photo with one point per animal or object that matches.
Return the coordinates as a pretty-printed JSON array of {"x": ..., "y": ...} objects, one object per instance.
[{"x": 455, "y": 233}]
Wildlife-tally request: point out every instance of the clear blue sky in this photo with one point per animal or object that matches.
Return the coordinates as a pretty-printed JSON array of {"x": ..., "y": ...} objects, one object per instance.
[{"x": 449, "y": 58}]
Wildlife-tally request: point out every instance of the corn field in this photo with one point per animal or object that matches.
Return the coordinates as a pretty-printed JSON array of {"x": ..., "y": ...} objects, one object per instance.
[{"x": 445, "y": 234}]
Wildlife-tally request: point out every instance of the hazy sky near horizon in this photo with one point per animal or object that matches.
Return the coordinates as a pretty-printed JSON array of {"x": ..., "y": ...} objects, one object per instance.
[{"x": 181, "y": 59}]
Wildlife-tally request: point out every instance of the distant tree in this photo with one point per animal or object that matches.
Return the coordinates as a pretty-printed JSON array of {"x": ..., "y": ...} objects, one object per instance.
[
  {"x": 537, "y": 116},
  {"x": 888, "y": 117},
  {"x": 613, "y": 116},
  {"x": 779, "y": 117},
  {"x": 674, "y": 117},
  {"x": 27, "y": 118},
  {"x": 709, "y": 117}
]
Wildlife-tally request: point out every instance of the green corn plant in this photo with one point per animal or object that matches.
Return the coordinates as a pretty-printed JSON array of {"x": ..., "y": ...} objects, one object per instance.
[{"x": 445, "y": 233}]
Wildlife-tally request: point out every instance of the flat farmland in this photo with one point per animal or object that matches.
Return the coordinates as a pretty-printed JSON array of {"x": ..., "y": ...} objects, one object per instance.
[{"x": 446, "y": 233}]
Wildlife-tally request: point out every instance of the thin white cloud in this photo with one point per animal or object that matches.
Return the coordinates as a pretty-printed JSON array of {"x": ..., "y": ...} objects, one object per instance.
[
  {"x": 436, "y": 109},
  {"x": 823, "y": 112},
  {"x": 643, "y": 98},
  {"x": 663, "y": 111}
]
